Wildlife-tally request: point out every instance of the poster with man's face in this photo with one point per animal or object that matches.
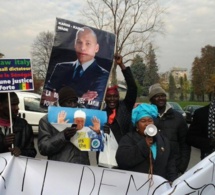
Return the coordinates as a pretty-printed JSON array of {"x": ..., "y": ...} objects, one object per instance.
[{"x": 81, "y": 58}]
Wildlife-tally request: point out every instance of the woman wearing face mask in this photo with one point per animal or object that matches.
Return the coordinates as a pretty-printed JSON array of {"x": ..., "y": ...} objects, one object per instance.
[{"x": 140, "y": 152}]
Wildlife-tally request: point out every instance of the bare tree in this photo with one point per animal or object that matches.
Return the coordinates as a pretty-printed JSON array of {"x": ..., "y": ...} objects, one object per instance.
[
  {"x": 132, "y": 21},
  {"x": 41, "y": 51}
]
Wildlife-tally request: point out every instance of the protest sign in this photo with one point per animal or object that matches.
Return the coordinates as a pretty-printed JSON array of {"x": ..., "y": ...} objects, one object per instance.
[
  {"x": 21, "y": 175},
  {"x": 85, "y": 138},
  {"x": 82, "y": 58},
  {"x": 15, "y": 75}
]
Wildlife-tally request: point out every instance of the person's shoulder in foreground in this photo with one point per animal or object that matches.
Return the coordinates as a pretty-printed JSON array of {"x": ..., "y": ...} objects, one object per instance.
[{"x": 201, "y": 133}]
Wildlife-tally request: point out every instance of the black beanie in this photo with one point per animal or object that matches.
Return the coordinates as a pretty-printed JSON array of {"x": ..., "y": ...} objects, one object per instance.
[
  {"x": 4, "y": 96},
  {"x": 66, "y": 93}
]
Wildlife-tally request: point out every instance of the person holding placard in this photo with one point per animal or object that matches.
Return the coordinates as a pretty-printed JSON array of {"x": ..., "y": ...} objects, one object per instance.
[
  {"x": 119, "y": 111},
  {"x": 56, "y": 144},
  {"x": 21, "y": 140}
]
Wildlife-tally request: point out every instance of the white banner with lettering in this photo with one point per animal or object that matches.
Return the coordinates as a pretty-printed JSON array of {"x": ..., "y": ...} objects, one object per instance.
[{"x": 28, "y": 176}]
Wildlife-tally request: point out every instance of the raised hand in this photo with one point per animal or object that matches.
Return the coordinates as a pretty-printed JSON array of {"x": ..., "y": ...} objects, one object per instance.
[
  {"x": 62, "y": 117},
  {"x": 119, "y": 61},
  {"x": 96, "y": 125}
]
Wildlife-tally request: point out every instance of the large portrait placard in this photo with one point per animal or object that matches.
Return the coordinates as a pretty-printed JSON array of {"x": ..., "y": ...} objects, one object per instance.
[{"x": 82, "y": 58}]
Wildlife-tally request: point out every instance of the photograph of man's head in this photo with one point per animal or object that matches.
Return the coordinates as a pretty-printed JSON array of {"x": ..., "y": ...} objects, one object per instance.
[{"x": 81, "y": 58}]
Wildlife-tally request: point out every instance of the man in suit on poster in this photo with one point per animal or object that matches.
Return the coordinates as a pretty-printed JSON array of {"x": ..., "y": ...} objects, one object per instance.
[{"x": 84, "y": 75}]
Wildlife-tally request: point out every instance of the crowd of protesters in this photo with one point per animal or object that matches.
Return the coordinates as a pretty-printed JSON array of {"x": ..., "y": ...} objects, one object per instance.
[{"x": 166, "y": 153}]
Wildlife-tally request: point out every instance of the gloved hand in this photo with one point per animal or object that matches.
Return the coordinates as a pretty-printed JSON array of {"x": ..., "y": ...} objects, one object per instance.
[
  {"x": 9, "y": 140},
  {"x": 69, "y": 132},
  {"x": 106, "y": 128}
]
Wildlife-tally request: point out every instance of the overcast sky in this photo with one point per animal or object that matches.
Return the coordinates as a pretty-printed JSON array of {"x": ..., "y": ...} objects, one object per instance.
[{"x": 190, "y": 25}]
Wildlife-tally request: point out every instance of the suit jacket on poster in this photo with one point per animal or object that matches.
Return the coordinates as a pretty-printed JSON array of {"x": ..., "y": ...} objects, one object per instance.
[{"x": 94, "y": 78}]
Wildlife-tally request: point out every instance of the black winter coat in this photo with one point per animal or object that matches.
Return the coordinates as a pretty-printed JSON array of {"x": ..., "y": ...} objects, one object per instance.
[
  {"x": 174, "y": 127},
  {"x": 24, "y": 138},
  {"x": 122, "y": 122},
  {"x": 133, "y": 155},
  {"x": 198, "y": 131},
  {"x": 52, "y": 143}
]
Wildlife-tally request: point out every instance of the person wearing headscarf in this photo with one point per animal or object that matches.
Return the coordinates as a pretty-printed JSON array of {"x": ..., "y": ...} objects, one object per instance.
[
  {"x": 56, "y": 144},
  {"x": 119, "y": 111},
  {"x": 145, "y": 150}
]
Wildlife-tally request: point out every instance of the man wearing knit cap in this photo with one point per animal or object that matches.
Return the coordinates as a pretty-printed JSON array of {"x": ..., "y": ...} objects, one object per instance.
[
  {"x": 68, "y": 98},
  {"x": 119, "y": 111},
  {"x": 56, "y": 144},
  {"x": 172, "y": 124}
]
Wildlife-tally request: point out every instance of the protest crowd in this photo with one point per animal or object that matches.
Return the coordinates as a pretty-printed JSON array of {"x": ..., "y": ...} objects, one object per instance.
[{"x": 151, "y": 138}]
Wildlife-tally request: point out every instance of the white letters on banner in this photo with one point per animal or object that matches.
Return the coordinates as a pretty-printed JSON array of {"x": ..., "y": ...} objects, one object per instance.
[{"x": 28, "y": 176}]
